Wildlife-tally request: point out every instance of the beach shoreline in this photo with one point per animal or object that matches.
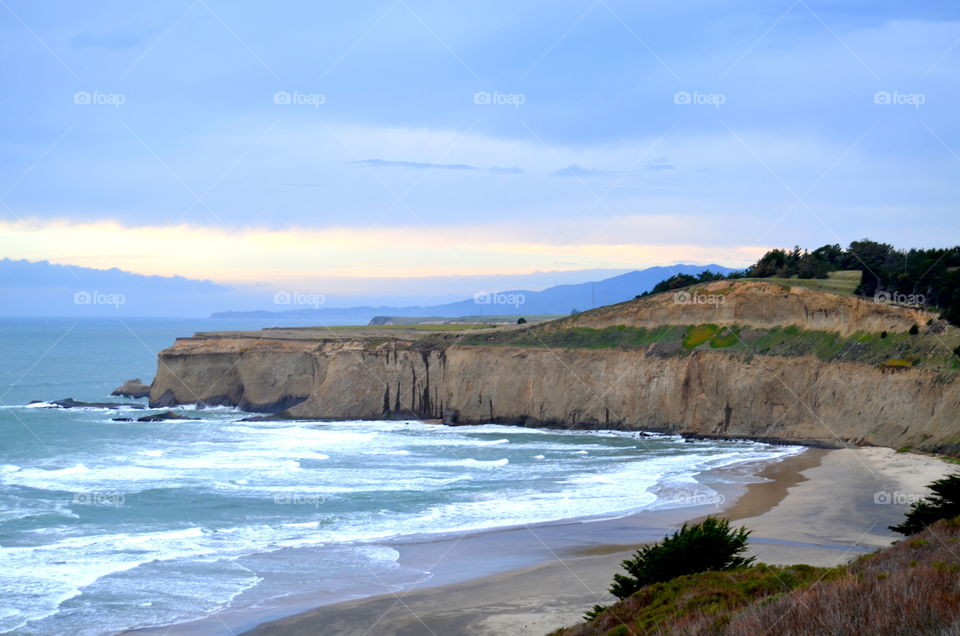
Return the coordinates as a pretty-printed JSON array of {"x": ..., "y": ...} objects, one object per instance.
[
  {"x": 453, "y": 558},
  {"x": 821, "y": 507}
]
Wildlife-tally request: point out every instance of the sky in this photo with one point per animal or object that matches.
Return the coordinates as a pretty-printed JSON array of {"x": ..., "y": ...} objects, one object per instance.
[{"x": 373, "y": 148}]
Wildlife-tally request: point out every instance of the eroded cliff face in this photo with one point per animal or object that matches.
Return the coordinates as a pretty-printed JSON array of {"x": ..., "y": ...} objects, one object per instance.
[
  {"x": 255, "y": 374},
  {"x": 754, "y": 304},
  {"x": 702, "y": 392}
]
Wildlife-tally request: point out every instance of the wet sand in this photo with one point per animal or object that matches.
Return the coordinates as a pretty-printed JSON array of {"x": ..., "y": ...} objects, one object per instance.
[{"x": 820, "y": 507}]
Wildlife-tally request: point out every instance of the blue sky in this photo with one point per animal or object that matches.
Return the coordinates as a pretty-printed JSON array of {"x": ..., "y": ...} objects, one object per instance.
[{"x": 336, "y": 145}]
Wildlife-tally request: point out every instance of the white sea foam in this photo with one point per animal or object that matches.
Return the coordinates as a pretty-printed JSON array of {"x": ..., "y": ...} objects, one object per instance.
[
  {"x": 469, "y": 478},
  {"x": 38, "y": 579},
  {"x": 35, "y": 405},
  {"x": 216, "y": 409},
  {"x": 475, "y": 463}
]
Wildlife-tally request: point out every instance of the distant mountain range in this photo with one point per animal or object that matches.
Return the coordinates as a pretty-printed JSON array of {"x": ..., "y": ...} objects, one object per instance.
[
  {"x": 561, "y": 299},
  {"x": 41, "y": 288}
]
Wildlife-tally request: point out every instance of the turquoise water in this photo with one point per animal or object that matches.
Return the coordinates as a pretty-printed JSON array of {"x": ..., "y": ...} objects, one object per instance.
[{"x": 106, "y": 526}]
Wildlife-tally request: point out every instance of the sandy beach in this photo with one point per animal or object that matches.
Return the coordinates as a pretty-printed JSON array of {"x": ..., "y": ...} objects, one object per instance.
[{"x": 822, "y": 507}]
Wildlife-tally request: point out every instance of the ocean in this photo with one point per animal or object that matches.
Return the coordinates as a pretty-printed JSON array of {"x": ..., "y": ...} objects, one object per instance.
[{"x": 107, "y": 526}]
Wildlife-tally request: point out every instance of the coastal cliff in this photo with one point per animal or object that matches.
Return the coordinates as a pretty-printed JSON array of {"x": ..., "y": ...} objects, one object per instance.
[{"x": 758, "y": 360}]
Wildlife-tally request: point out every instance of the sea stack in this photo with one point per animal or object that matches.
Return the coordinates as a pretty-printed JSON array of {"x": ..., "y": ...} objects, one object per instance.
[{"x": 134, "y": 388}]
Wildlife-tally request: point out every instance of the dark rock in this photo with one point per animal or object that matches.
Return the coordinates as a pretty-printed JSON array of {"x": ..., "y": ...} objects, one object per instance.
[
  {"x": 937, "y": 326},
  {"x": 162, "y": 417},
  {"x": 216, "y": 400},
  {"x": 273, "y": 417},
  {"x": 451, "y": 416},
  {"x": 70, "y": 403},
  {"x": 169, "y": 399},
  {"x": 123, "y": 419},
  {"x": 166, "y": 400},
  {"x": 284, "y": 403},
  {"x": 132, "y": 389}
]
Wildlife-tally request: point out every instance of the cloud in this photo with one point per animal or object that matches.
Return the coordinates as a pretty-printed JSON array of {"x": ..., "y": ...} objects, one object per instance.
[
  {"x": 199, "y": 119},
  {"x": 574, "y": 170},
  {"x": 499, "y": 170},
  {"x": 416, "y": 165},
  {"x": 661, "y": 163},
  {"x": 301, "y": 255}
]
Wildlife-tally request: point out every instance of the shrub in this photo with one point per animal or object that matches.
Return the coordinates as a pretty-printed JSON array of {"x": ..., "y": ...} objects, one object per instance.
[
  {"x": 944, "y": 503},
  {"x": 709, "y": 545},
  {"x": 521, "y": 321},
  {"x": 883, "y": 334},
  {"x": 898, "y": 362},
  {"x": 698, "y": 334},
  {"x": 912, "y": 587}
]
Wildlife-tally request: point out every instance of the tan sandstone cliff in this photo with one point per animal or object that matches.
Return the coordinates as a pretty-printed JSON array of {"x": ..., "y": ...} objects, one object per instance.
[{"x": 319, "y": 374}]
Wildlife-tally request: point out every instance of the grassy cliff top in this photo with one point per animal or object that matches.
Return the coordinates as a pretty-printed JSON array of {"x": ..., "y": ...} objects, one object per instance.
[
  {"x": 843, "y": 282},
  {"x": 749, "y": 318},
  {"x": 790, "y": 317}
]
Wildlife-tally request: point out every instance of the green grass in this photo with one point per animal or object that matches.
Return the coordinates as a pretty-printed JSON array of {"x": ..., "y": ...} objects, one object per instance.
[
  {"x": 433, "y": 321},
  {"x": 793, "y": 341},
  {"x": 725, "y": 337},
  {"x": 717, "y": 337},
  {"x": 897, "y": 362},
  {"x": 464, "y": 326},
  {"x": 698, "y": 334},
  {"x": 714, "y": 594},
  {"x": 895, "y": 351},
  {"x": 842, "y": 282},
  {"x": 578, "y": 337}
]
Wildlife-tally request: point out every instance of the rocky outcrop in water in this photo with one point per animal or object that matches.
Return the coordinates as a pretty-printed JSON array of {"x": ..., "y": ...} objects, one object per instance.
[
  {"x": 70, "y": 403},
  {"x": 163, "y": 417},
  {"x": 133, "y": 389}
]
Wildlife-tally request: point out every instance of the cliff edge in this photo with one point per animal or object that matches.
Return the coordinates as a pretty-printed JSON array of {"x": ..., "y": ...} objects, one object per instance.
[{"x": 729, "y": 358}]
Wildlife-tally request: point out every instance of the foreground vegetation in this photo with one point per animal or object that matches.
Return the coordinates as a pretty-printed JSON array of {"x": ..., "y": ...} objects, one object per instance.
[
  {"x": 697, "y": 582},
  {"x": 710, "y": 545},
  {"x": 910, "y": 588},
  {"x": 942, "y": 503}
]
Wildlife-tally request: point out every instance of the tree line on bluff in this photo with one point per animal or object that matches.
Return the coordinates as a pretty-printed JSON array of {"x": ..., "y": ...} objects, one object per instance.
[{"x": 930, "y": 276}]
